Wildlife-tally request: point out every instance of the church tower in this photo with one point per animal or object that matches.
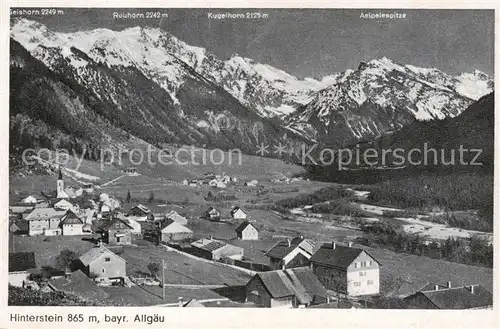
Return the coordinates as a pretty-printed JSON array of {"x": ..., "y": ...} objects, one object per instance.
[{"x": 60, "y": 186}]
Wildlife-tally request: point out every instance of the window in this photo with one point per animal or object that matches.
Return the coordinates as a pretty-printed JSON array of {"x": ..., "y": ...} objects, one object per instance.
[
  {"x": 370, "y": 282},
  {"x": 362, "y": 273},
  {"x": 357, "y": 284},
  {"x": 102, "y": 270},
  {"x": 370, "y": 263},
  {"x": 355, "y": 265},
  {"x": 107, "y": 259}
]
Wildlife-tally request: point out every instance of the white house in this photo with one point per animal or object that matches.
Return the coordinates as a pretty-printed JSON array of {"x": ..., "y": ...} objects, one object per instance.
[
  {"x": 246, "y": 231},
  {"x": 20, "y": 264},
  {"x": 65, "y": 205},
  {"x": 345, "y": 269},
  {"x": 238, "y": 213},
  {"x": 71, "y": 224},
  {"x": 221, "y": 184}
]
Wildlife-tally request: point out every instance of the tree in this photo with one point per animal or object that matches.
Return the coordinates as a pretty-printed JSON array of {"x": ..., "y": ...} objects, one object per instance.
[
  {"x": 154, "y": 268},
  {"x": 151, "y": 197},
  {"x": 65, "y": 260},
  {"x": 129, "y": 197}
]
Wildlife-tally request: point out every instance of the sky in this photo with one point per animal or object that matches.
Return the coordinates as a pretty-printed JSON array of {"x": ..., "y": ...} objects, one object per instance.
[{"x": 317, "y": 42}]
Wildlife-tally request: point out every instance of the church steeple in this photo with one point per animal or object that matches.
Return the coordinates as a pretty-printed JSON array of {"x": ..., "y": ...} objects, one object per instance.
[{"x": 60, "y": 186}]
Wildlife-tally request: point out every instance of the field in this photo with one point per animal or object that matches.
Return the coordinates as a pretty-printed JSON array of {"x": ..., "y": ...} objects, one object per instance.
[
  {"x": 153, "y": 295},
  {"x": 400, "y": 273}
]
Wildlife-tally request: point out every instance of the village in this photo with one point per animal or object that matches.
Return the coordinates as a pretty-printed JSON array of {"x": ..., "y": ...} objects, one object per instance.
[{"x": 219, "y": 253}]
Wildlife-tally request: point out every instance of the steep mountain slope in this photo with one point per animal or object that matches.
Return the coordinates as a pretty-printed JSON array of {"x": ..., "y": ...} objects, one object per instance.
[
  {"x": 158, "y": 55},
  {"x": 473, "y": 129},
  {"x": 382, "y": 96},
  {"x": 89, "y": 102},
  {"x": 156, "y": 87}
]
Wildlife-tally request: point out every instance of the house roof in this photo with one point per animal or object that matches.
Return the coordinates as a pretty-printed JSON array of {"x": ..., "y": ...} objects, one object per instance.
[
  {"x": 432, "y": 286},
  {"x": 341, "y": 256},
  {"x": 171, "y": 226},
  {"x": 235, "y": 209},
  {"x": 208, "y": 244},
  {"x": 109, "y": 224},
  {"x": 63, "y": 202},
  {"x": 210, "y": 209},
  {"x": 459, "y": 297},
  {"x": 281, "y": 249},
  {"x": 300, "y": 282},
  {"x": 80, "y": 285},
  {"x": 176, "y": 216},
  {"x": 142, "y": 208},
  {"x": 71, "y": 218},
  {"x": 243, "y": 226},
  {"x": 21, "y": 261},
  {"x": 96, "y": 252},
  {"x": 45, "y": 213}
]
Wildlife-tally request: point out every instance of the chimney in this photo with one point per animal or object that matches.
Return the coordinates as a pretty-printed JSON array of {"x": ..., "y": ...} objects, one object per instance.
[
  {"x": 302, "y": 237},
  {"x": 448, "y": 284},
  {"x": 349, "y": 244},
  {"x": 67, "y": 273},
  {"x": 472, "y": 289},
  {"x": 436, "y": 287},
  {"x": 181, "y": 303},
  {"x": 334, "y": 245},
  {"x": 289, "y": 242},
  {"x": 328, "y": 299}
]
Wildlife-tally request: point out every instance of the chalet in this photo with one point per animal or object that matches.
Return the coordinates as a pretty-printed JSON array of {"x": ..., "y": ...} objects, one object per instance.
[
  {"x": 175, "y": 216},
  {"x": 450, "y": 298},
  {"x": 172, "y": 231},
  {"x": 238, "y": 213},
  {"x": 117, "y": 231},
  {"x": 78, "y": 284},
  {"x": 290, "y": 253},
  {"x": 71, "y": 224},
  {"x": 347, "y": 270},
  {"x": 45, "y": 221},
  {"x": 139, "y": 211},
  {"x": 212, "y": 214},
  {"x": 100, "y": 263},
  {"x": 290, "y": 288},
  {"x": 246, "y": 231},
  {"x": 215, "y": 249},
  {"x": 20, "y": 266},
  {"x": 65, "y": 205}
]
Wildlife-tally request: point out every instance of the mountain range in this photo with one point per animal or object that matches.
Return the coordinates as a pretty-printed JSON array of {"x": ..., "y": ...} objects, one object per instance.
[{"x": 102, "y": 87}]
